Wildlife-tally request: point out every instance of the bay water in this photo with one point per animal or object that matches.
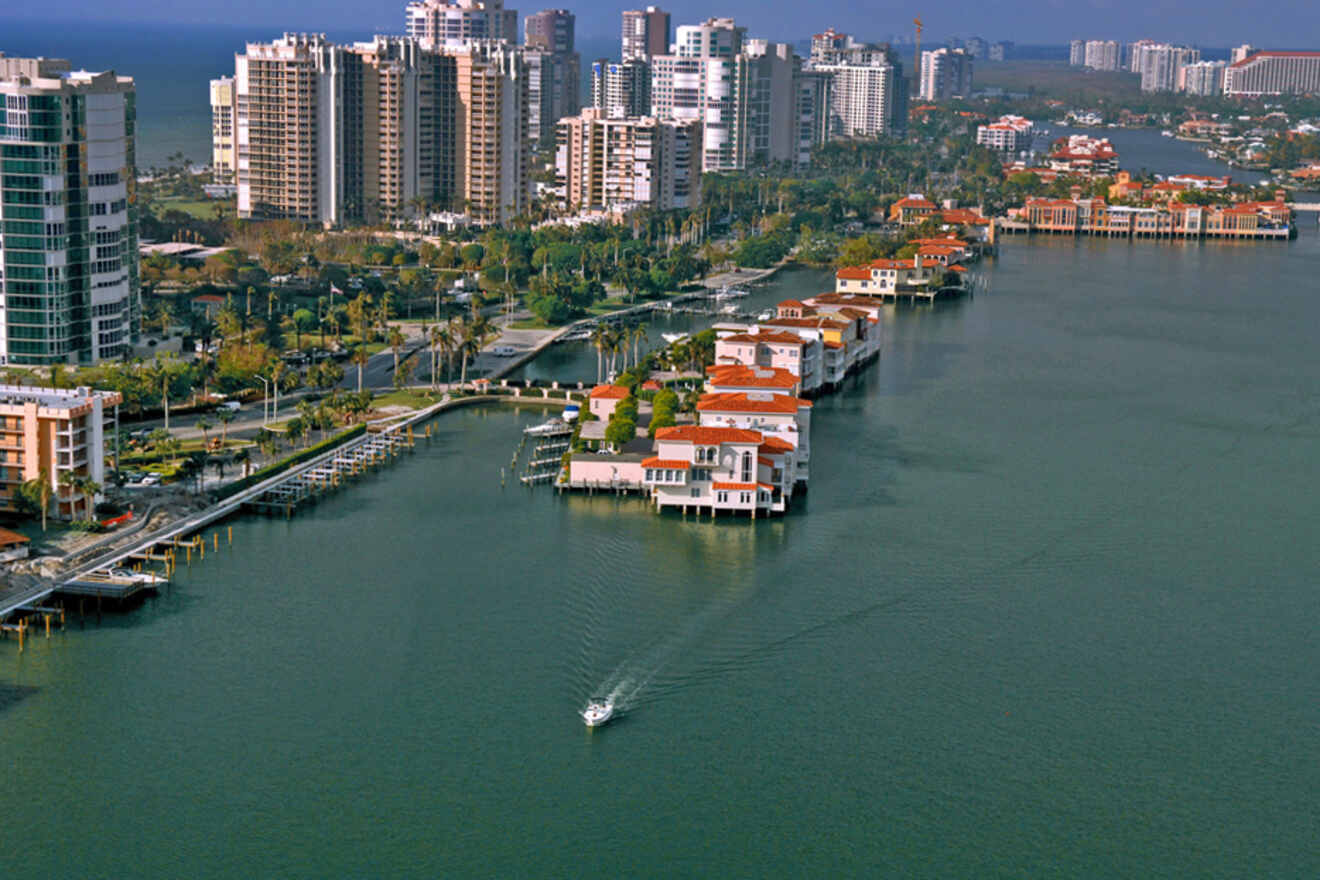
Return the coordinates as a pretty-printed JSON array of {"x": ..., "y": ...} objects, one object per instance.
[{"x": 1049, "y": 609}]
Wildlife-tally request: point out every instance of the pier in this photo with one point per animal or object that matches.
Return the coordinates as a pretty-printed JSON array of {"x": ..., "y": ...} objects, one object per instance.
[{"x": 180, "y": 540}]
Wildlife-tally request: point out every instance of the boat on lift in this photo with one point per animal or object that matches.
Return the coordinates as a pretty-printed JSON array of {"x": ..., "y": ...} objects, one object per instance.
[{"x": 599, "y": 711}]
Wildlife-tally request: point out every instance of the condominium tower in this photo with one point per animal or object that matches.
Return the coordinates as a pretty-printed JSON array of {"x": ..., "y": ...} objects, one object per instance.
[
  {"x": 603, "y": 163},
  {"x": 746, "y": 93},
  {"x": 946, "y": 73},
  {"x": 334, "y": 134},
  {"x": 621, "y": 88},
  {"x": 553, "y": 70},
  {"x": 868, "y": 95},
  {"x": 1161, "y": 64},
  {"x": 437, "y": 23},
  {"x": 1102, "y": 54},
  {"x": 1202, "y": 78},
  {"x": 1274, "y": 73},
  {"x": 645, "y": 33},
  {"x": 68, "y": 248},
  {"x": 224, "y": 123}
]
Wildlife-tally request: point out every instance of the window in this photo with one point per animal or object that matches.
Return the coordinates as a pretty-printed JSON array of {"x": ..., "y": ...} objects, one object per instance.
[
  {"x": 745, "y": 497},
  {"x": 722, "y": 497},
  {"x": 695, "y": 493},
  {"x": 650, "y": 475},
  {"x": 747, "y": 467}
]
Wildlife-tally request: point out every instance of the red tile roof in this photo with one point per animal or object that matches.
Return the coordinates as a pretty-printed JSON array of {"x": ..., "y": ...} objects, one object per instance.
[
  {"x": 610, "y": 392},
  {"x": 738, "y": 401},
  {"x": 704, "y": 434},
  {"x": 671, "y": 463},
  {"x": 736, "y": 487},
  {"x": 854, "y": 273},
  {"x": 742, "y": 376},
  {"x": 775, "y": 445},
  {"x": 792, "y": 304}
]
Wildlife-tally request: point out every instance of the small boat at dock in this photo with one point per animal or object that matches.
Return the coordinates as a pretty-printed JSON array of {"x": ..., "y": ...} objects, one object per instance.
[{"x": 552, "y": 428}]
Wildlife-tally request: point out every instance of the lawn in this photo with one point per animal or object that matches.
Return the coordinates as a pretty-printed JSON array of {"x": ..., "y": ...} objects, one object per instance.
[
  {"x": 202, "y": 209},
  {"x": 406, "y": 397}
]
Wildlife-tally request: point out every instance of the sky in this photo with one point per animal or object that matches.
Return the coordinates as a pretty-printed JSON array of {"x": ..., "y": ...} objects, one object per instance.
[{"x": 1218, "y": 23}]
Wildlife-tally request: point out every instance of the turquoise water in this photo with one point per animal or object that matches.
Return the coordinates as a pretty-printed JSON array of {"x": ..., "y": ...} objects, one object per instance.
[{"x": 1049, "y": 610}]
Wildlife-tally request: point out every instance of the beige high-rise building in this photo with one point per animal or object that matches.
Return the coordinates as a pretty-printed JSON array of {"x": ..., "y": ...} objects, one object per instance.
[
  {"x": 438, "y": 24},
  {"x": 492, "y": 179},
  {"x": 342, "y": 134},
  {"x": 603, "y": 163},
  {"x": 224, "y": 124}
]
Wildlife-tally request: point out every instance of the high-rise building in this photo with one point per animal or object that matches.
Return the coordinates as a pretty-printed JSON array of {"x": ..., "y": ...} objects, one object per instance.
[
  {"x": 744, "y": 92},
  {"x": 1001, "y": 50},
  {"x": 977, "y": 47},
  {"x": 815, "y": 96},
  {"x": 705, "y": 80},
  {"x": 867, "y": 92},
  {"x": 1102, "y": 54},
  {"x": 553, "y": 91},
  {"x": 553, "y": 86},
  {"x": 1161, "y": 64},
  {"x": 603, "y": 163},
  {"x": 946, "y": 73},
  {"x": 1203, "y": 78},
  {"x": 1008, "y": 134},
  {"x": 51, "y": 434},
  {"x": 1240, "y": 53},
  {"x": 1133, "y": 54},
  {"x": 492, "y": 174},
  {"x": 645, "y": 33},
  {"x": 68, "y": 253},
  {"x": 1077, "y": 53},
  {"x": 550, "y": 30},
  {"x": 439, "y": 23},
  {"x": 621, "y": 88},
  {"x": 826, "y": 47},
  {"x": 1274, "y": 73},
  {"x": 336, "y": 134},
  {"x": 224, "y": 120}
]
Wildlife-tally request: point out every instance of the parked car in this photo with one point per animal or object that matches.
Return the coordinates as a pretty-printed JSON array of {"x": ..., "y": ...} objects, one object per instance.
[
  {"x": 231, "y": 405},
  {"x": 151, "y": 479},
  {"x": 504, "y": 351}
]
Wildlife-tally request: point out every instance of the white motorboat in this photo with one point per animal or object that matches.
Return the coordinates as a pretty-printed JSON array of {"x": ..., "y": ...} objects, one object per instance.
[
  {"x": 730, "y": 309},
  {"x": 765, "y": 315},
  {"x": 671, "y": 338},
  {"x": 599, "y": 711},
  {"x": 552, "y": 428}
]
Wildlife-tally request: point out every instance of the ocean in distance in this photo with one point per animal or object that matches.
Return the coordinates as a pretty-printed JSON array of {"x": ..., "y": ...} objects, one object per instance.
[{"x": 173, "y": 66}]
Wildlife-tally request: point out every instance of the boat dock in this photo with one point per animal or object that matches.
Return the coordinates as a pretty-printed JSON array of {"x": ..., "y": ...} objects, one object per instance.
[{"x": 180, "y": 541}]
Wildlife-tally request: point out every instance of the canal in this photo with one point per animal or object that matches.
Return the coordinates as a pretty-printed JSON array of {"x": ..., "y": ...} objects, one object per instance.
[{"x": 1048, "y": 610}]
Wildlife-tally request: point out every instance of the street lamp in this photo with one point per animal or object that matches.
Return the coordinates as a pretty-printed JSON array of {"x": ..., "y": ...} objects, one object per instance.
[{"x": 265, "y": 398}]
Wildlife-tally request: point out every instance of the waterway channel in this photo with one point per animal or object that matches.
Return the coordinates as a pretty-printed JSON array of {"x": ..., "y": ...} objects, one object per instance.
[{"x": 1049, "y": 610}]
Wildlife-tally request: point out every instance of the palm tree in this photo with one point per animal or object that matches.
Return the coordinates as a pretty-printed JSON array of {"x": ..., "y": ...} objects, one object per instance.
[
  {"x": 68, "y": 480},
  {"x": 205, "y": 425},
  {"x": 396, "y": 341},
  {"x": 360, "y": 358},
  {"x": 638, "y": 335},
  {"x": 244, "y": 457},
  {"x": 224, "y": 415},
  {"x": 600, "y": 336}
]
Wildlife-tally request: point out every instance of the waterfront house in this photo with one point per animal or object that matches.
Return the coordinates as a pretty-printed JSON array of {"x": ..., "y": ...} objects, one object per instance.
[
  {"x": 1176, "y": 219},
  {"x": 719, "y": 470},
  {"x": 1083, "y": 156},
  {"x": 911, "y": 210},
  {"x": 883, "y": 277},
  {"x": 734, "y": 378},
  {"x": 604, "y": 398},
  {"x": 773, "y": 415},
  {"x": 776, "y": 349}
]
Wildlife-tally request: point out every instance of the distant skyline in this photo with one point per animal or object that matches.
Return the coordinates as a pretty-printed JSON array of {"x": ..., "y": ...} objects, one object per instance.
[{"x": 1289, "y": 24}]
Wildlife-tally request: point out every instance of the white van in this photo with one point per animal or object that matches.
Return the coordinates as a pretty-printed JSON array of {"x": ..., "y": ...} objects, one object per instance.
[{"x": 504, "y": 351}]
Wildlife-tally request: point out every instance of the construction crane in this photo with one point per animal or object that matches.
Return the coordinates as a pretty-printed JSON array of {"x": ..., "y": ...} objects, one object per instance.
[{"x": 916, "y": 61}]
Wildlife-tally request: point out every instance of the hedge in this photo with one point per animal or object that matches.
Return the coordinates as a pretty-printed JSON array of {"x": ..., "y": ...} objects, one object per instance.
[{"x": 298, "y": 458}]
